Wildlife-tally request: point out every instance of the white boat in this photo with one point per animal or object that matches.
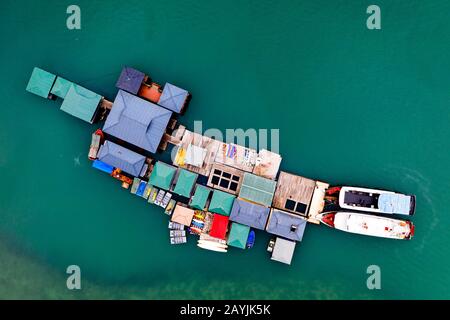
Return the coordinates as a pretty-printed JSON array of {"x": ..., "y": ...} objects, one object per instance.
[
  {"x": 371, "y": 200},
  {"x": 368, "y": 225}
]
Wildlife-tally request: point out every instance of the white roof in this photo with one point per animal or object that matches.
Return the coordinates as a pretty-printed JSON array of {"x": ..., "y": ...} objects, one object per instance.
[
  {"x": 283, "y": 250},
  {"x": 195, "y": 155}
]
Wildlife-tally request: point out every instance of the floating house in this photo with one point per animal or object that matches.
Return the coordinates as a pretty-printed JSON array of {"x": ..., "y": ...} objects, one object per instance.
[
  {"x": 219, "y": 226},
  {"x": 173, "y": 98},
  {"x": 182, "y": 215},
  {"x": 293, "y": 193},
  {"x": 117, "y": 156},
  {"x": 200, "y": 198},
  {"x": 283, "y": 250},
  {"x": 257, "y": 189},
  {"x": 61, "y": 87},
  {"x": 238, "y": 235},
  {"x": 249, "y": 214},
  {"x": 81, "y": 103},
  {"x": 286, "y": 225},
  {"x": 137, "y": 121},
  {"x": 130, "y": 80},
  {"x": 267, "y": 164},
  {"x": 41, "y": 82},
  {"x": 185, "y": 182},
  {"x": 162, "y": 175},
  {"x": 225, "y": 178},
  {"x": 221, "y": 202}
]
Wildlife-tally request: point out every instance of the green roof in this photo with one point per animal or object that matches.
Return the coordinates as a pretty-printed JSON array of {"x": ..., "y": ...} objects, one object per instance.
[
  {"x": 162, "y": 175},
  {"x": 81, "y": 103},
  {"x": 61, "y": 87},
  {"x": 40, "y": 82},
  {"x": 238, "y": 235},
  {"x": 257, "y": 189},
  {"x": 221, "y": 203},
  {"x": 185, "y": 182},
  {"x": 198, "y": 200}
]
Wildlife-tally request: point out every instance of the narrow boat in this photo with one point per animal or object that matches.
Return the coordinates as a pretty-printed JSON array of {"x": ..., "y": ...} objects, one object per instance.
[
  {"x": 368, "y": 225},
  {"x": 371, "y": 200},
  {"x": 250, "y": 239}
]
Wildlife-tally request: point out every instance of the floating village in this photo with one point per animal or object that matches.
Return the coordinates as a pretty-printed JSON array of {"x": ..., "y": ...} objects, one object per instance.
[{"x": 221, "y": 193}]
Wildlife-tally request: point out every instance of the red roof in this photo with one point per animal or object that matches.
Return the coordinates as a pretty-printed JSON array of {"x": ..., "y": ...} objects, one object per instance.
[{"x": 219, "y": 226}]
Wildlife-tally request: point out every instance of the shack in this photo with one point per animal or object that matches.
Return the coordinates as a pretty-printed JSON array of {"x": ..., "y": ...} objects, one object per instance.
[
  {"x": 162, "y": 175},
  {"x": 61, "y": 87},
  {"x": 119, "y": 157},
  {"x": 81, "y": 103},
  {"x": 173, "y": 98},
  {"x": 257, "y": 189},
  {"x": 286, "y": 225},
  {"x": 267, "y": 164},
  {"x": 283, "y": 250},
  {"x": 185, "y": 181},
  {"x": 225, "y": 178},
  {"x": 219, "y": 226},
  {"x": 238, "y": 235},
  {"x": 200, "y": 197},
  {"x": 221, "y": 202},
  {"x": 249, "y": 214},
  {"x": 182, "y": 215},
  {"x": 41, "y": 82},
  {"x": 130, "y": 80}
]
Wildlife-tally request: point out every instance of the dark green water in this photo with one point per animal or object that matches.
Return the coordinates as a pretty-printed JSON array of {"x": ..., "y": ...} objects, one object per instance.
[{"x": 353, "y": 106}]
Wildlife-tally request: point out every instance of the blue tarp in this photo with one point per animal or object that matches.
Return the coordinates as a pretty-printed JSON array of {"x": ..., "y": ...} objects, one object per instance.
[
  {"x": 286, "y": 225},
  {"x": 97, "y": 164},
  {"x": 137, "y": 121},
  {"x": 249, "y": 214},
  {"x": 122, "y": 158},
  {"x": 394, "y": 203}
]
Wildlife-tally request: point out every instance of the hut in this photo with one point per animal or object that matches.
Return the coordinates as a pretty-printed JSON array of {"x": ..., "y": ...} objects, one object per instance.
[
  {"x": 137, "y": 121},
  {"x": 293, "y": 193},
  {"x": 267, "y": 164},
  {"x": 236, "y": 156},
  {"x": 257, "y": 189},
  {"x": 200, "y": 197},
  {"x": 185, "y": 182},
  {"x": 283, "y": 250},
  {"x": 219, "y": 226},
  {"x": 286, "y": 225},
  {"x": 249, "y": 214},
  {"x": 221, "y": 202},
  {"x": 61, "y": 87},
  {"x": 81, "y": 103},
  {"x": 225, "y": 178},
  {"x": 238, "y": 235},
  {"x": 173, "y": 98},
  {"x": 182, "y": 215},
  {"x": 130, "y": 80},
  {"x": 119, "y": 157},
  {"x": 162, "y": 175},
  {"x": 41, "y": 82}
]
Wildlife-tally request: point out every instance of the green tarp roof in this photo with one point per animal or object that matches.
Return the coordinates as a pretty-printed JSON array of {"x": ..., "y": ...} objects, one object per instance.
[
  {"x": 185, "y": 182},
  {"x": 61, "y": 87},
  {"x": 221, "y": 203},
  {"x": 257, "y": 189},
  {"x": 201, "y": 194},
  {"x": 40, "y": 82},
  {"x": 81, "y": 103},
  {"x": 162, "y": 175},
  {"x": 238, "y": 235}
]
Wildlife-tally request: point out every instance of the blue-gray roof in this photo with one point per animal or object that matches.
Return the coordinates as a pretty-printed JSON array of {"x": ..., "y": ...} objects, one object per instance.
[
  {"x": 173, "y": 98},
  {"x": 130, "y": 80},
  {"x": 137, "y": 121},
  {"x": 249, "y": 214},
  {"x": 286, "y": 225},
  {"x": 122, "y": 158}
]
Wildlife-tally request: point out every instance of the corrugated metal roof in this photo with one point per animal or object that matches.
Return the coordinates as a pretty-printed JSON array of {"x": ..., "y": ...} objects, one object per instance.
[
  {"x": 286, "y": 225},
  {"x": 257, "y": 189},
  {"x": 221, "y": 202},
  {"x": 283, "y": 250},
  {"x": 173, "y": 98},
  {"x": 201, "y": 194},
  {"x": 137, "y": 121},
  {"x": 162, "y": 175},
  {"x": 81, "y": 103},
  {"x": 238, "y": 235},
  {"x": 40, "y": 82},
  {"x": 185, "y": 183},
  {"x": 130, "y": 80},
  {"x": 61, "y": 87},
  {"x": 122, "y": 158},
  {"x": 249, "y": 214}
]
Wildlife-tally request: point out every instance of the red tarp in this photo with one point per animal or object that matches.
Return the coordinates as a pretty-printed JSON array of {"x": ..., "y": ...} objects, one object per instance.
[{"x": 219, "y": 226}]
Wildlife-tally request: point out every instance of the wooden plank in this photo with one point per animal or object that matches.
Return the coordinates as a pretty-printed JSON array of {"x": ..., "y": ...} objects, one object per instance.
[
  {"x": 267, "y": 164},
  {"x": 317, "y": 202}
]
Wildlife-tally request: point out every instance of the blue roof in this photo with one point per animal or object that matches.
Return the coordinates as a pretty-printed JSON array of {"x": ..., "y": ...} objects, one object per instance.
[
  {"x": 130, "y": 80},
  {"x": 122, "y": 158},
  {"x": 97, "y": 164},
  {"x": 137, "y": 121},
  {"x": 249, "y": 214},
  {"x": 173, "y": 98},
  {"x": 286, "y": 225}
]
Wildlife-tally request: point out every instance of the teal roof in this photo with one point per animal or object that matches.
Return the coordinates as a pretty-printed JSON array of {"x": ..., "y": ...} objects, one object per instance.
[
  {"x": 61, "y": 87},
  {"x": 257, "y": 189},
  {"x": 221, "y": 203},
  {"x": 81, "y": 103},
  {"x": 198, "y": 200},
  {"x": 40, "y": 82},
  {"x": 185, "y": 182},
  {"x": 162, "y": 175},
  {"x": 238, "y": 235}
]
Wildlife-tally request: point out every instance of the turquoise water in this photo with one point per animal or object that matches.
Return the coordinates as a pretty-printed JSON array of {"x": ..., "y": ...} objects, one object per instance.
[{"x": 353, "y": 106}]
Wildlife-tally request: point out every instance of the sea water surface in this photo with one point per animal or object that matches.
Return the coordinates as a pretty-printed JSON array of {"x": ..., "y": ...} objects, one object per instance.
[{"x": 353, "y": 106}]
